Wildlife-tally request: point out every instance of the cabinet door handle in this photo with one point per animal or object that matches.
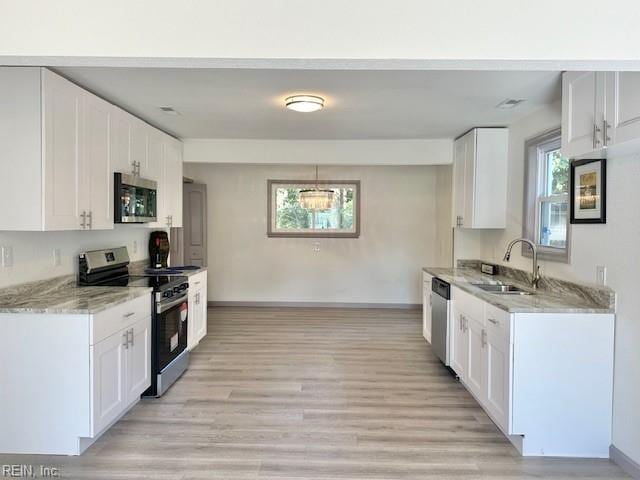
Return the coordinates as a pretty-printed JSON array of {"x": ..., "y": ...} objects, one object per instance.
[
  {"x": 493, "y": 320},
  {"x": 84, "y": 219},
  {"x": 125, "y": 339},
  {"x": 130, "y": 314},
  {"x": 605, "y": 132},
  {"x": 596, "y": 140},
  {"x": 484, "y": 338},
  {"x": 130, "y": 332},
  {"x": 466, "y": 324},
  {"x": 90, "y": 217}
]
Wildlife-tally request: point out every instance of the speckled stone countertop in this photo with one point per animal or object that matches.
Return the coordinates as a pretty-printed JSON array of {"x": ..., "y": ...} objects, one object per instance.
[
  {"x": 553, "y": 296},
  {"x": 61, "y": 295}
]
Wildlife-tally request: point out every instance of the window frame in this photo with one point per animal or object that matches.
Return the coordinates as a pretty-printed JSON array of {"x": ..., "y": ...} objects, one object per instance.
[
  {"x": 535, "y": 184},
  {"x": 312, "y": 233}
]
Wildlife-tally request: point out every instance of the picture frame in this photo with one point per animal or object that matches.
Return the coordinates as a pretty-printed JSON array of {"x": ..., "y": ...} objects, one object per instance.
[
  {"x": 273, "y": 211},
  {"x": 588, "y": 191}
]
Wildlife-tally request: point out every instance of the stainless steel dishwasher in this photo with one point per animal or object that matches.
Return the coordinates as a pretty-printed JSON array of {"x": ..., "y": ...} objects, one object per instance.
[{"x": 440, "y": 318}]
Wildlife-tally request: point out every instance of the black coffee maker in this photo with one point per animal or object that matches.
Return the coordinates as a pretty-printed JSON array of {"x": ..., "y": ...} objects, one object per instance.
[{"x": 159, "y": 249}]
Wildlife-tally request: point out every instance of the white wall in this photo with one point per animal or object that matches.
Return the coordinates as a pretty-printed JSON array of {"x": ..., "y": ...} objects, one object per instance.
[
  {"x": 398, "y": 237},
  {"x": 320, "y": 152},
  {"x": 446, "y": 34},
  {"x": 33, "y": 251},
  {"x": 614, "y": 245}
]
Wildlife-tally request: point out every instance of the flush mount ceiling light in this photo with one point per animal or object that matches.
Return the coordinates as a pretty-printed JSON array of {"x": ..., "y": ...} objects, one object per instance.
[
  {"x": 510, "y": 103},
  {"x": 304, "y": 103},
  {"x": 316, "y": 199}
]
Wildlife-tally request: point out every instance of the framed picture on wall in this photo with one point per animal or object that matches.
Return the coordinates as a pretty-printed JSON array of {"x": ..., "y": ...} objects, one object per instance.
[{"x": 589, "y": 191}]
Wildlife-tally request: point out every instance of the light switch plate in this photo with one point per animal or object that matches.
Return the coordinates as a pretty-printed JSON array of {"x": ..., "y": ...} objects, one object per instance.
[
  {"x": 601, "y": 274},
  {"x": 6, "y": 256}
]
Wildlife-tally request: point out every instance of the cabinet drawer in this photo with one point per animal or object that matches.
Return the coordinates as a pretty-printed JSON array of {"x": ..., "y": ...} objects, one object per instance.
[
  {"x": 198, "y": 280},
  {"x": 497, "y": 320},
  {"x": 467, "y": 304},
  {"x": 110, "y": 321}
]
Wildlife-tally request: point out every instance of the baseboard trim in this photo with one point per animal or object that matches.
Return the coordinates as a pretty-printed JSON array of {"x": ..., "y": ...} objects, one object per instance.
[
  {"x": 627, "y": 464},
  {"x": 399, "y": 306}
]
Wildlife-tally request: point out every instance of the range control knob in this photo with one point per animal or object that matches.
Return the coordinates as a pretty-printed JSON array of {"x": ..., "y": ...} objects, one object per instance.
[
  {"x": 168, "y": 294},
  {"x": 176, "y": 289}
]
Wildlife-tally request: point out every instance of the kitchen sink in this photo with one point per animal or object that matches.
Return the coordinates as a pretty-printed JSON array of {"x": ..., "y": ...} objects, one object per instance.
[{"x": 502, "y": 289}]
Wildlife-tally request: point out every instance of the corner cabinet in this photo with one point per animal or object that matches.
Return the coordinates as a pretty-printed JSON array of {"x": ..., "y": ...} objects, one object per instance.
[
  {"x": 61, "y": 146},
  {"x": 516, "y": 366},
  {"x": 600, "y": 113},
  {"x": 197, "y": 325},
  {"x": 480, "y": 178},
  {"x": 93, "y": 371}
]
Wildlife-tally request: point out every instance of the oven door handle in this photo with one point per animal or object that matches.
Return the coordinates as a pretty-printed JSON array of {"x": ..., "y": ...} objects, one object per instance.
[{"x": 163, "y": 307}]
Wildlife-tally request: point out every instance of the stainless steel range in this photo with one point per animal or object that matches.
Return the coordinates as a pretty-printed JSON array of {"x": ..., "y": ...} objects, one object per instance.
[{"x": 169, "y": 354}]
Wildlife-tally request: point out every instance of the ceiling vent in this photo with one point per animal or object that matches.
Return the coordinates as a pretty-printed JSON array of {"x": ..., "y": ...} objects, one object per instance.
[
  {"x": 510, "y": 103},
  {"x": 169, "y": 111}
]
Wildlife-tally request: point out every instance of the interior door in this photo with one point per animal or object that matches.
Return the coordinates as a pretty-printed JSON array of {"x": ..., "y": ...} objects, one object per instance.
[
  {"x": 108, "y": 380},
  {"x": 139, "y": 360},
  {"x": 62, "y": 176},
  {"x": 476, "y": 364},
  {"x": 195, "y": 224},
  {"x": 97, "y": 163}
]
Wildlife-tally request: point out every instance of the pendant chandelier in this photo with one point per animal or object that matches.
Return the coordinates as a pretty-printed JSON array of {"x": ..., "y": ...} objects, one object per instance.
[{"x": 316, "y": 199}]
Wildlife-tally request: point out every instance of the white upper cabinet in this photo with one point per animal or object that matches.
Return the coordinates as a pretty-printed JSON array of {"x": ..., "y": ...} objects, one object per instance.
[
  {"x": 600, "y": 113},
  {"x": 63, "y": 174},
  {"x": 168, "y": 156},
  {"x": 623, "y": 107},
  {"x": 582, "y": 112},
  {"x": 480, "y": 178},
  {"x": 96, "y": 192},
  {"x": 61, "y": 146}
]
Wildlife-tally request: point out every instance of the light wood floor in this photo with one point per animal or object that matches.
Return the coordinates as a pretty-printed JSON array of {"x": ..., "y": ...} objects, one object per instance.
[{"x": 312, "y": 394}]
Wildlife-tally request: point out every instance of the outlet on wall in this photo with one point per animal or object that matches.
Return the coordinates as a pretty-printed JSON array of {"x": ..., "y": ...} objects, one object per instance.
[
  {"x": 601, "y": 275},
  {"x": 56, "y": 257},
  {"x": 316, "y": 247},
  {"x": 6, "y": 256}
]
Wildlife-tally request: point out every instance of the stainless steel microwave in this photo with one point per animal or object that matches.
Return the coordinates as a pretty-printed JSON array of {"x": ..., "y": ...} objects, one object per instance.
[{"x": 134, "y": 199}]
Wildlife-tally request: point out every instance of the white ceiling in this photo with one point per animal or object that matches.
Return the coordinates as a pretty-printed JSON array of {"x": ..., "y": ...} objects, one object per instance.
[{"x": 248, "y": 103}]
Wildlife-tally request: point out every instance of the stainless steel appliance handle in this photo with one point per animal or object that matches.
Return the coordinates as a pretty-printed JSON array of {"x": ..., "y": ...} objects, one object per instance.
[{"x": 163, "y": 307}]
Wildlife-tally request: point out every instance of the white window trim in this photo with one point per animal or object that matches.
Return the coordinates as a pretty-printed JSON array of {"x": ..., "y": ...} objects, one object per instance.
[{"x": 532, "y": 202}]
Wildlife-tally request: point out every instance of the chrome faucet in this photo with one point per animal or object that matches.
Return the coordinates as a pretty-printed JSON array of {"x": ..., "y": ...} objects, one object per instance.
[{"x": 535, "y": 279}]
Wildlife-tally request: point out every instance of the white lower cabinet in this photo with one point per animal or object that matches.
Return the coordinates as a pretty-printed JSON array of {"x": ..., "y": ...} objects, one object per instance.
[
  {"x": 426, "y": 306},
  {"x": 121, "y": 371},
  {"x": 197, "y": 324},
  {"x": 545, "y": 379},
  {"x": 80, "y": 374}
]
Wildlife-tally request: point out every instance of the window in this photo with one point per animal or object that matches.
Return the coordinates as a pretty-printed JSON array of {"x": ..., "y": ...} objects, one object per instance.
[
  {"x": 288, "y": 218},
  {"x": 547, "y": 197}
]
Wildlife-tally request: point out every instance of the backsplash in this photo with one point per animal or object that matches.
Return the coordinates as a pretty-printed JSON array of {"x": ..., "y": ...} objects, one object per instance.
[
  {"x": 33, "y": 252},
  {"x": 589, "y": 293}
]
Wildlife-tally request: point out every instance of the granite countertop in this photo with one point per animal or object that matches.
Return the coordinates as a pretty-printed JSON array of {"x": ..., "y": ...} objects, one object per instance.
[
  {"x": 559, "y": 300},
  {"x": 62, "y": 296}
]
